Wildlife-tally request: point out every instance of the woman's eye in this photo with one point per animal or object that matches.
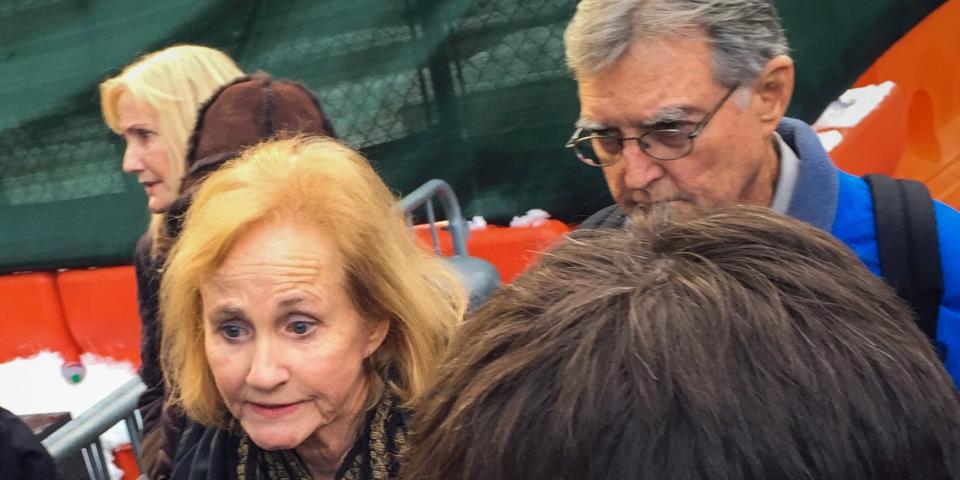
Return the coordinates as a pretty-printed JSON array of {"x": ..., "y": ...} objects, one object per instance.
[
  {"x": 137, "y": 135},
  {"x": 300, "y": 327},
  {"x": 232, "y": 332},
  {"x": 142, "y": 135}
]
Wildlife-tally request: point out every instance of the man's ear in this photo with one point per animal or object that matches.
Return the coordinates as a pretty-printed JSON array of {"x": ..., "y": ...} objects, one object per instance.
[
  {"x": 772, "y": 91},
  {"x": 375, "y": 336}
]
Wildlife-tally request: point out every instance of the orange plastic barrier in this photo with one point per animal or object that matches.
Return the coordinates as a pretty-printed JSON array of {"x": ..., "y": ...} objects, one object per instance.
[
  {"x": 126, "y": 461},
  {"x": 511, "y": 250},
  {"x": 876, "y": 144},
  {"x": 31, "y": 318},
  {"x": 100, "y": 306},
  {"x": 925, "y": 65}
]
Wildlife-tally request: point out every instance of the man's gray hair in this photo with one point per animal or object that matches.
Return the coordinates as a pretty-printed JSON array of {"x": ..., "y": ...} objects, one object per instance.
[{"x": 745, "y": 34}]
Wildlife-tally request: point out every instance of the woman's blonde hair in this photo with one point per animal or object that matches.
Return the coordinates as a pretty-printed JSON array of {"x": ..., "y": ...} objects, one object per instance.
[
  {"x": 314, "y": 181},
  {"x": 174, "y": 82}
]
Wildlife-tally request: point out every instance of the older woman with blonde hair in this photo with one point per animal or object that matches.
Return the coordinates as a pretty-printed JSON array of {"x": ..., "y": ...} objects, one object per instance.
[{"x": 303, "y": 319}]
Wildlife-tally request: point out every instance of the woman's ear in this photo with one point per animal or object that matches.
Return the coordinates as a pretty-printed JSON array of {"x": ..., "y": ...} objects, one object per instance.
[{"x": 375, "y": 336}]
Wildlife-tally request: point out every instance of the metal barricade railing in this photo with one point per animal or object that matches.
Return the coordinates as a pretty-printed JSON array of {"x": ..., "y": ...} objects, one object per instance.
[
  {"x": 479, "y": 277},
  {"x": 83, "y": 433},
  {"x": 423, "y": 196}
]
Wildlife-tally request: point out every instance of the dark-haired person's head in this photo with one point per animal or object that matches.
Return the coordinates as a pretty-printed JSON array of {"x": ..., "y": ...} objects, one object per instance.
[
  {"x": 740, "y": 344},
  {"x": 250, "y": 110}
]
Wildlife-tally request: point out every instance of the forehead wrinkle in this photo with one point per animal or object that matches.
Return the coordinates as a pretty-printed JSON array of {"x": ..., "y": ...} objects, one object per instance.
[
  {"x": 285, "y": 290},
  {"x": 271, "y": 274},
  {"x": 262, "y": 265},
  {"x": 309, "y": 272},
  {"x": 295, "y": 260}
]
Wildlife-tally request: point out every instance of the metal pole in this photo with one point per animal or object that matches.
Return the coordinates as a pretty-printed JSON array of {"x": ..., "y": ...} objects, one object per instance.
[
  {"x": 98, "y": 447},
  {"x": 134, "y": 431},
  {"x": 432, "y": 220},
  {"x": 448, "y": 199},
  {"x": 88, "y": 427},
  {"x": 95, "y": 462}
]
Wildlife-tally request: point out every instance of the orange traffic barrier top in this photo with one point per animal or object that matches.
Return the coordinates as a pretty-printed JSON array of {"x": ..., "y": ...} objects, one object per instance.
[{"x": 925, "y": 66}]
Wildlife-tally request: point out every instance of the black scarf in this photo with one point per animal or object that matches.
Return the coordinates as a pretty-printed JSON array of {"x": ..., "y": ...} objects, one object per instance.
[
  {"x": 374, "y": 455},
  {"x": 208, "y": 453}
]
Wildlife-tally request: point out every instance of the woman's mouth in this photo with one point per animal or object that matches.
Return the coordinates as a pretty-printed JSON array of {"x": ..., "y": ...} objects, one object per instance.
[{"x": 274, "y": 410}]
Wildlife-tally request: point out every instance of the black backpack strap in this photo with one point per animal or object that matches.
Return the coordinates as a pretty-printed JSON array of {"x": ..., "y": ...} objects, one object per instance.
[{"x": 908, "y": 246}]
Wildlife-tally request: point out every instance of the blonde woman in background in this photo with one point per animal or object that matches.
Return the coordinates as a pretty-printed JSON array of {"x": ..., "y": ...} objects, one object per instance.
[
  {"x": 303, "y": 321},
  {"x": 153, "y": 105}
]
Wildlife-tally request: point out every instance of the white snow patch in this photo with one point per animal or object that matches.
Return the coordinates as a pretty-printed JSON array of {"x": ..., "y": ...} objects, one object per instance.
[
  {"x": 533, "y": 218},
  {"x": 853, "y": 106},
  {"x": 830, "y": 139},
  {"x": 477, "y": 222}
]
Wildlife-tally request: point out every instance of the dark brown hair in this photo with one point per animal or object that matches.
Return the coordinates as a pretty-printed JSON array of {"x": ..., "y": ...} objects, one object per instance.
[{"x": 737, "y": 345}]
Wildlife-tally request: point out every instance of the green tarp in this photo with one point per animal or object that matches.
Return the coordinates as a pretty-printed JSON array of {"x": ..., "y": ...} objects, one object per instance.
[{"x": 474, "y": 92}]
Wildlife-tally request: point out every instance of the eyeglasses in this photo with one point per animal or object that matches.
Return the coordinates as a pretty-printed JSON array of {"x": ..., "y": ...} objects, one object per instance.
[{"x": 599, "y": 150}]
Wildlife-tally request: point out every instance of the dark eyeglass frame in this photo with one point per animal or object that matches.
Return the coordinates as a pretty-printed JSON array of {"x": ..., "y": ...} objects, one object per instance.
[{"x": 576, "y": 139}]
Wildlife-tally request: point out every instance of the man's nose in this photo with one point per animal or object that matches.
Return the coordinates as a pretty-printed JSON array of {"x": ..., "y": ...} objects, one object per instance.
[
  {"x": 268, "y": 368},
  {"x": 639, "y": 168}
]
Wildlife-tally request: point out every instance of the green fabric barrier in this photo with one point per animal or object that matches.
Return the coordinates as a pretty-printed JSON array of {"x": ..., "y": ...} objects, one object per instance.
[{"x": 474, "y": 92}]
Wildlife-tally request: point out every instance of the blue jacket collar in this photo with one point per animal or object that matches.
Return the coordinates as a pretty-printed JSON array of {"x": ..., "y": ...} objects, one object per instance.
[{"x": 818, "y": 182}]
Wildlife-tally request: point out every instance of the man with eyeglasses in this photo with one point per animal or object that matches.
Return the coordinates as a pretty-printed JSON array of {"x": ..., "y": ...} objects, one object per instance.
[{"x": 682, "y": 106}]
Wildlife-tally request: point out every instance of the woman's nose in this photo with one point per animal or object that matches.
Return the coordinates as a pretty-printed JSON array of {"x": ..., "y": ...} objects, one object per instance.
[
  {"x": 267, "y": 368},
  {"x": 131, "y": 159}
]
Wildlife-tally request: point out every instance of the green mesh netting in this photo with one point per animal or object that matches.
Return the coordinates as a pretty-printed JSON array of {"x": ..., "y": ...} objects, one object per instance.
[{"x": 474, "y": 92}]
